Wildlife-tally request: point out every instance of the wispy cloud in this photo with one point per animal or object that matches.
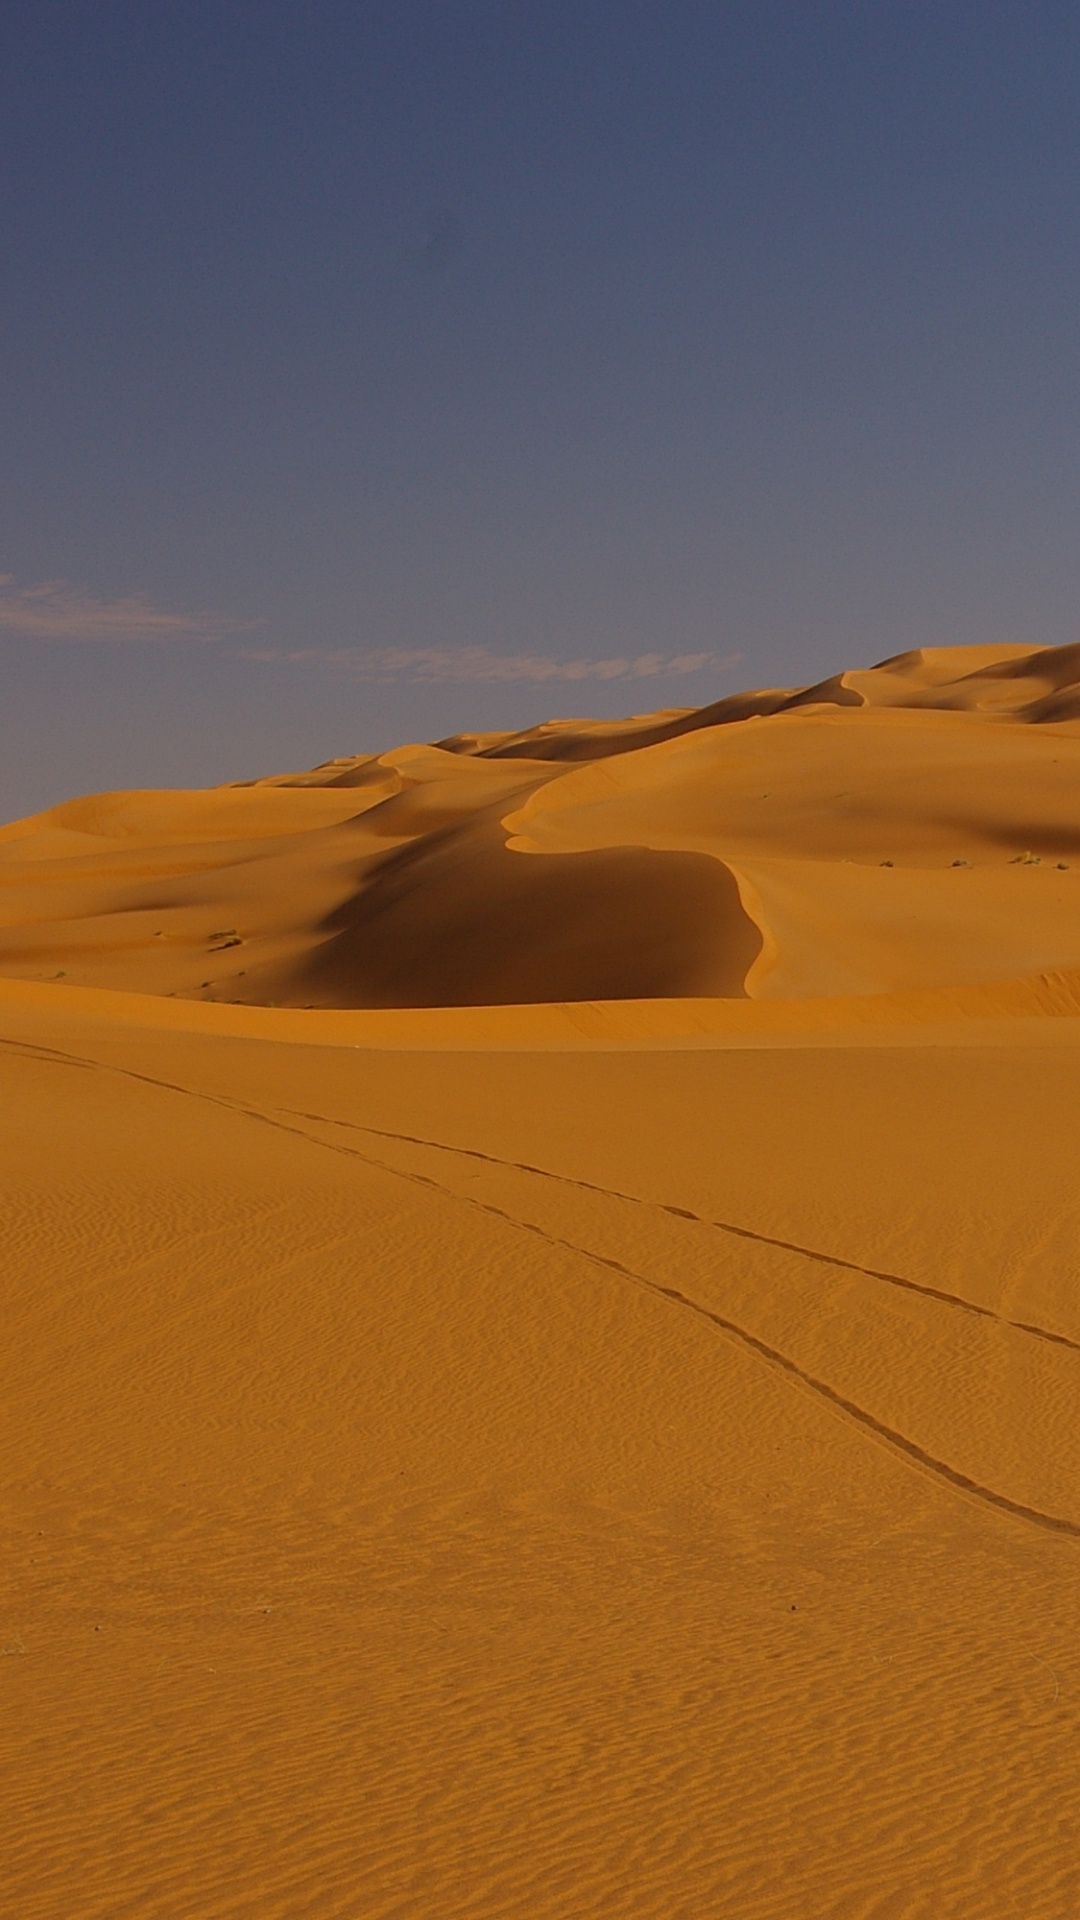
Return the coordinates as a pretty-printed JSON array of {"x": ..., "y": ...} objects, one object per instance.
[
  {"x": 54, "y": 610},
  {"x": 440, "y": 665}
]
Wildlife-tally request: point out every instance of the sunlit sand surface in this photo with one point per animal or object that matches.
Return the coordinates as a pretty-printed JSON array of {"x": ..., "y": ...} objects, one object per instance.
[{"x": 542, "y": 1322}]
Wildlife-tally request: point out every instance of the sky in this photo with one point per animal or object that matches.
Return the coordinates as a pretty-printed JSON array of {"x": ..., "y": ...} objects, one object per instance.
[{"x": 371, "y": 372}]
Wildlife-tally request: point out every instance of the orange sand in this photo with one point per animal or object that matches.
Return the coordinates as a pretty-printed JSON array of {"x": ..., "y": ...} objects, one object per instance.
[{"x": 574, "y": 1409}]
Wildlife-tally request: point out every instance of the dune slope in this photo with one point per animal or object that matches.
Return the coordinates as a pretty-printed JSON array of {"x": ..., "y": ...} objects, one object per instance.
[
  {"x": 912, "y": 826},
  {"x": 572, "y": 1410}
]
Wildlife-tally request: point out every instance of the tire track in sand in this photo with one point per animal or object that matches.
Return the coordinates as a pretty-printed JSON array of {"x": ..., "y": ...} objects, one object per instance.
[
  {"x": 741, "y": 1336},
  {"x": 939, "y": 1294}
]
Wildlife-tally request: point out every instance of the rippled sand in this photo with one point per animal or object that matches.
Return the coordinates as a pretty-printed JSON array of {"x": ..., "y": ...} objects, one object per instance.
[{"x": 573, "y": 1410}]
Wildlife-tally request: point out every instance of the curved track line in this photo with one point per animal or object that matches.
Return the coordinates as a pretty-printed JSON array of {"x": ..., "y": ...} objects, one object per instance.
[
  {"x": 1054, "y": 1523},
  {"x": 910, "y": 1449},
  {"x": 772, "y": 1356},
  {"x": 719, "y": 1226}
]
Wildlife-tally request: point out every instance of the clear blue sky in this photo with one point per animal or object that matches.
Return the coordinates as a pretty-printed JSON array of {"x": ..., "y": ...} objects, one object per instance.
[{"x": 363, "y": 366}]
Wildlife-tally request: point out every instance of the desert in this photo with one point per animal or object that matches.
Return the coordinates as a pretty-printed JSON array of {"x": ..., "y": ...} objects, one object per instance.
[{"x": 542, "y": 1320}]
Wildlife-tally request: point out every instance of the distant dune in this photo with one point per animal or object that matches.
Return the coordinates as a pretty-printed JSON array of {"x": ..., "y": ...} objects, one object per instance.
[
  {"x": 541, "y": 1322},
  {"x": 909, "y": 826}
]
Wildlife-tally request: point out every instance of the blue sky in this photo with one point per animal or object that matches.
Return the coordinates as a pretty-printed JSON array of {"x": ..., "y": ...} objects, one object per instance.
[{"x": 370, "y": 372}]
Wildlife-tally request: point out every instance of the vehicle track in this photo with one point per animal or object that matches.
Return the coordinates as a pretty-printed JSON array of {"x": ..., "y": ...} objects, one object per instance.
[
  {"x": 718, "y": 1226},
  {"x": 741, "y": 1336}
]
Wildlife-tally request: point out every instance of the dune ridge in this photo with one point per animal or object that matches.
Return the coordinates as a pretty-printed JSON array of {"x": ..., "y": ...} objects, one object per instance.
[
  {"x": 541, "y": 1322},
  {"x": 910, "y": 826}
]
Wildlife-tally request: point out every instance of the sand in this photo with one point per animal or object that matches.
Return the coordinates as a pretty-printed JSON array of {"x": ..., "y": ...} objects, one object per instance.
[{"x": 542, "y": 1331}]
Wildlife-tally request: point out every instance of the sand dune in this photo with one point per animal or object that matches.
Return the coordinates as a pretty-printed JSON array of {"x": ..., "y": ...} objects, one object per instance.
[
  {"x": 912, "y": 826},
  {"x": 542, "y": 1335}
]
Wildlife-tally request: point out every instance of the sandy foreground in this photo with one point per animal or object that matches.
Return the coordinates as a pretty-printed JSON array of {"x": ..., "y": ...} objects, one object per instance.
[{"x": 542, "y": 1322}]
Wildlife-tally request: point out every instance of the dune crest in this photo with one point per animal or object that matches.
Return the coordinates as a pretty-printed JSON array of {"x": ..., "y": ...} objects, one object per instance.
[
  {"x": 541, "y": 1329},
  {"x": 908, "y": 826}
]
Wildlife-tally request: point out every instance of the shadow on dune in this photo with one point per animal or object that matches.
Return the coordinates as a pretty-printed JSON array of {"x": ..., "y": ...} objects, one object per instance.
[{"x": 460, "y": 920}]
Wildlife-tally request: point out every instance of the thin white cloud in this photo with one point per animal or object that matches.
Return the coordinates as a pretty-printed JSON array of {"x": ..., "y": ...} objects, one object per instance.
[
  {"x": 54, "y": 610},
  {"x": 440, "y": 665}
]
